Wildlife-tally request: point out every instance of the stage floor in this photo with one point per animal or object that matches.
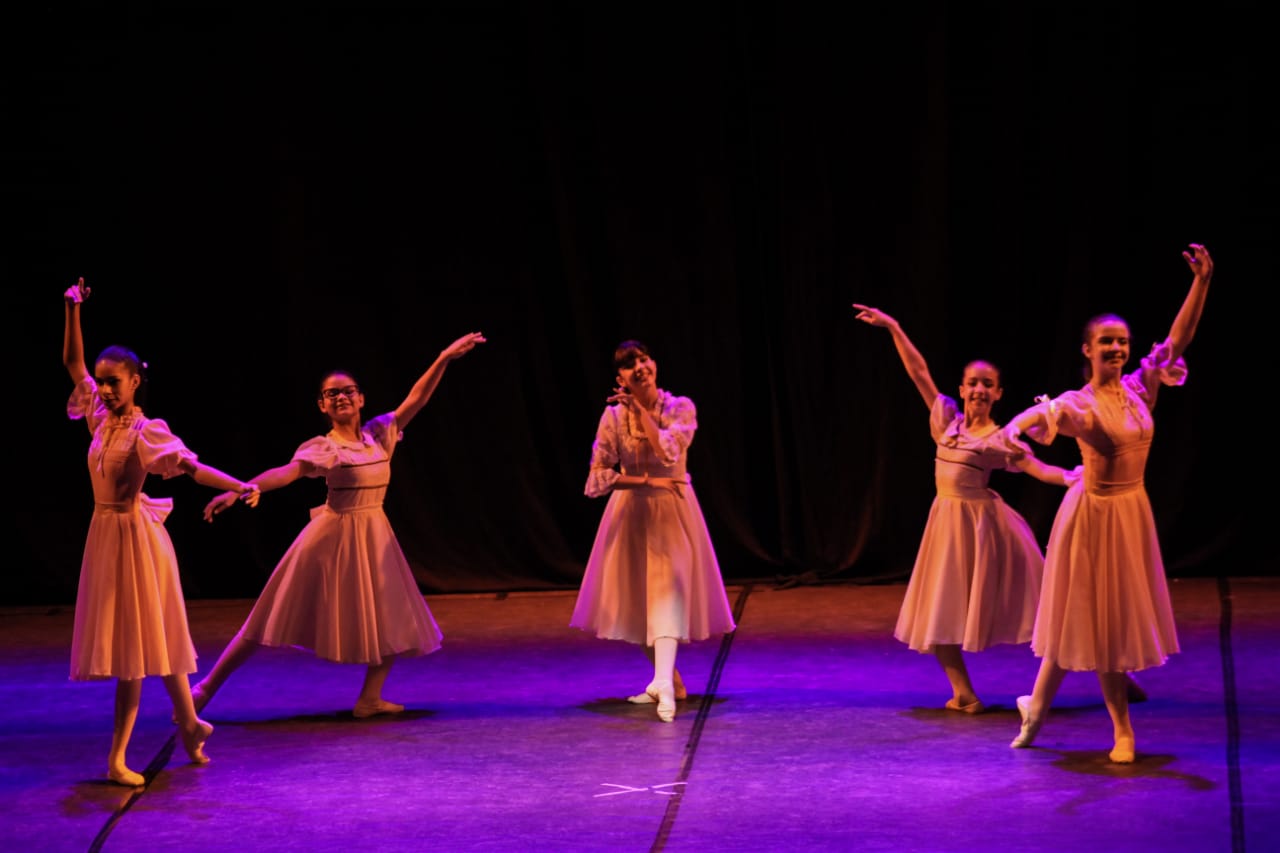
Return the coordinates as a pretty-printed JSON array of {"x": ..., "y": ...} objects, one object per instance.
[{"x": 810, "y": 728}]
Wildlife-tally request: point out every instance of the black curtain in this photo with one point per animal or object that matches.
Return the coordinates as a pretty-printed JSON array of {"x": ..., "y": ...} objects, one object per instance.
[{"x": 258, "y": 194}]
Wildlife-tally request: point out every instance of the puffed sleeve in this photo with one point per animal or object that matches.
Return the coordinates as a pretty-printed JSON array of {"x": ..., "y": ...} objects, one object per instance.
[
  {"x": 1070, "y": 413},
  {"x": 1154, "y": 370},
  {"x": 317, "y": 454},
  {"x": 85, "y": 403},
  {"x": 604, "y": 455},
  {"x": 160, "y": 451},
  {"x": 942, "y": 416},
  {"x": 681, "y": 422},
  {"x": 385, "y": 432},
  {"x": 1011, "y": 449}
]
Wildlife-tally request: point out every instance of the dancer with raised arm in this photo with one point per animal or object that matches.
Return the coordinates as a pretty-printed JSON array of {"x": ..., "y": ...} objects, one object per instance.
[
  {"x": 976, "y": 578},
  {"x": 131, "y": 617},
  {"x": 1105, "y": 601},
  {"x": 343, "y": 590}
]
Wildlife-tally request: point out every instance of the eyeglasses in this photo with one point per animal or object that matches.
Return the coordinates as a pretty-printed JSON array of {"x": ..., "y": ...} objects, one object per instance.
[{"x": 333, "y": 393}]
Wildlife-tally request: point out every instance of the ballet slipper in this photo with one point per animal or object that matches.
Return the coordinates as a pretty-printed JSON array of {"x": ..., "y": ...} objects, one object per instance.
[
  {"x": 1030, "y": 727},
  {"x": 974, "y": 707},
  {"x": 1136, "y": 692},
  {"x": 124, "y": 776},
  {"x": 663, "y": 693},
  {"x": 1123, "y": 751},
  {"x": 372, "y": 707},
  {"x": 645, "y": 699},
  {"x": 193, "y": 741}
]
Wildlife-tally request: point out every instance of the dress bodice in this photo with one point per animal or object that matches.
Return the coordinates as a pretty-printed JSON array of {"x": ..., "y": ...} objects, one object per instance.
[
  {"x": 963, "y": 462},
  {"x": 356, "y": 473}
]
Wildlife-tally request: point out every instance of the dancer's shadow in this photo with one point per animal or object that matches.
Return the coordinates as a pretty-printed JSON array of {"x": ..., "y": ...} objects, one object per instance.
[{"x": 619, "y": 708}]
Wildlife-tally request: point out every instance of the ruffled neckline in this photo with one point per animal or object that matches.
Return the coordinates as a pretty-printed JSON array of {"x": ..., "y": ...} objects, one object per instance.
[
  {"x": 365, "y": 440},
  {"x": 634, "y": 427},
  {"x": 955, "y": 433},
  {"x": 122, "y": 421}
]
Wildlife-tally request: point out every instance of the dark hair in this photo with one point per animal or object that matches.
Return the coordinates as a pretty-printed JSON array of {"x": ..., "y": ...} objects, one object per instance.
[
  {"x": 627, "y": 352},
  {"x": 125, "y": 356},
  {"x": 1086, "y": 335},
  {"x": 132, "y": 363},
  {"x": 333, "y": 373},
  {"x": 320, "y": 389},
  {"x": 989, "y": 363}
]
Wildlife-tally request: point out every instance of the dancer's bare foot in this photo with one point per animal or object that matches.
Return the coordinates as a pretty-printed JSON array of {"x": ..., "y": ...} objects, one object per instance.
[
  {"x": 372, "y": 707},
  {"x": 193, "y": 741},
  {"x": 124, "y": 776}
]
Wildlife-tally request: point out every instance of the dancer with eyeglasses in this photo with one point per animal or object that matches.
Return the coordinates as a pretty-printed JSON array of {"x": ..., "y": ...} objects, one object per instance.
[{"x": 343, "y": 590}]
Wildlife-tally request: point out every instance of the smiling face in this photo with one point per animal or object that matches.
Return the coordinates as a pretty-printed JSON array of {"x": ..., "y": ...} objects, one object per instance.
[
  {"x": 641, "y": 377},
  {"x": 980, "y": 388},
  {"x": 340, "y": 398},
  {"x": 116, "y": 384},
  {"x": 1106, "y": 347},
  {"x": 637, "y": 371}
]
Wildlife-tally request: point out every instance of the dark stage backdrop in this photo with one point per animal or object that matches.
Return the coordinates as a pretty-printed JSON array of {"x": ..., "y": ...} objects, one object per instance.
[{"x": 257, "y": 193}]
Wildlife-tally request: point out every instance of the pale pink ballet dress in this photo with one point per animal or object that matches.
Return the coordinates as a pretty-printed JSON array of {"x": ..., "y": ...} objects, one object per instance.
[
  {"x": 652, "y": 571},
  {"x": 344, "y": 590},
  {"x": 976, "y": 578},
  {"x": 131, "y": 617},
  {"x": 1105, "y": 601}
]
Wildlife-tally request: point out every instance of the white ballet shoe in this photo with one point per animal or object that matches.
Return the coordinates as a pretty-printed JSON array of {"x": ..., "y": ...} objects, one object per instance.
[
  {"x": 1030, "y": 728},
  {"x": 645, "y": 699},
  {"x": 664, "y": 693}
]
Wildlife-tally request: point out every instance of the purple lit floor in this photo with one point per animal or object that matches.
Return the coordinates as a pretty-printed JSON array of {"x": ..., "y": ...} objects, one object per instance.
[{"x": 808, "y": 729}]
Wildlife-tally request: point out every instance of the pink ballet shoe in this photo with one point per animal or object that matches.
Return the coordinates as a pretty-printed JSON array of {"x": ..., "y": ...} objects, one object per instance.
[
  {"x": 365, "y": 708},
  {"x": 193, "y": 742},
  {"x": 974, "y": 707},
  {"x": 1123, "y": 751},
  {"x": 1030, "y": 727},
  {"x": 126, "y": 777}
]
